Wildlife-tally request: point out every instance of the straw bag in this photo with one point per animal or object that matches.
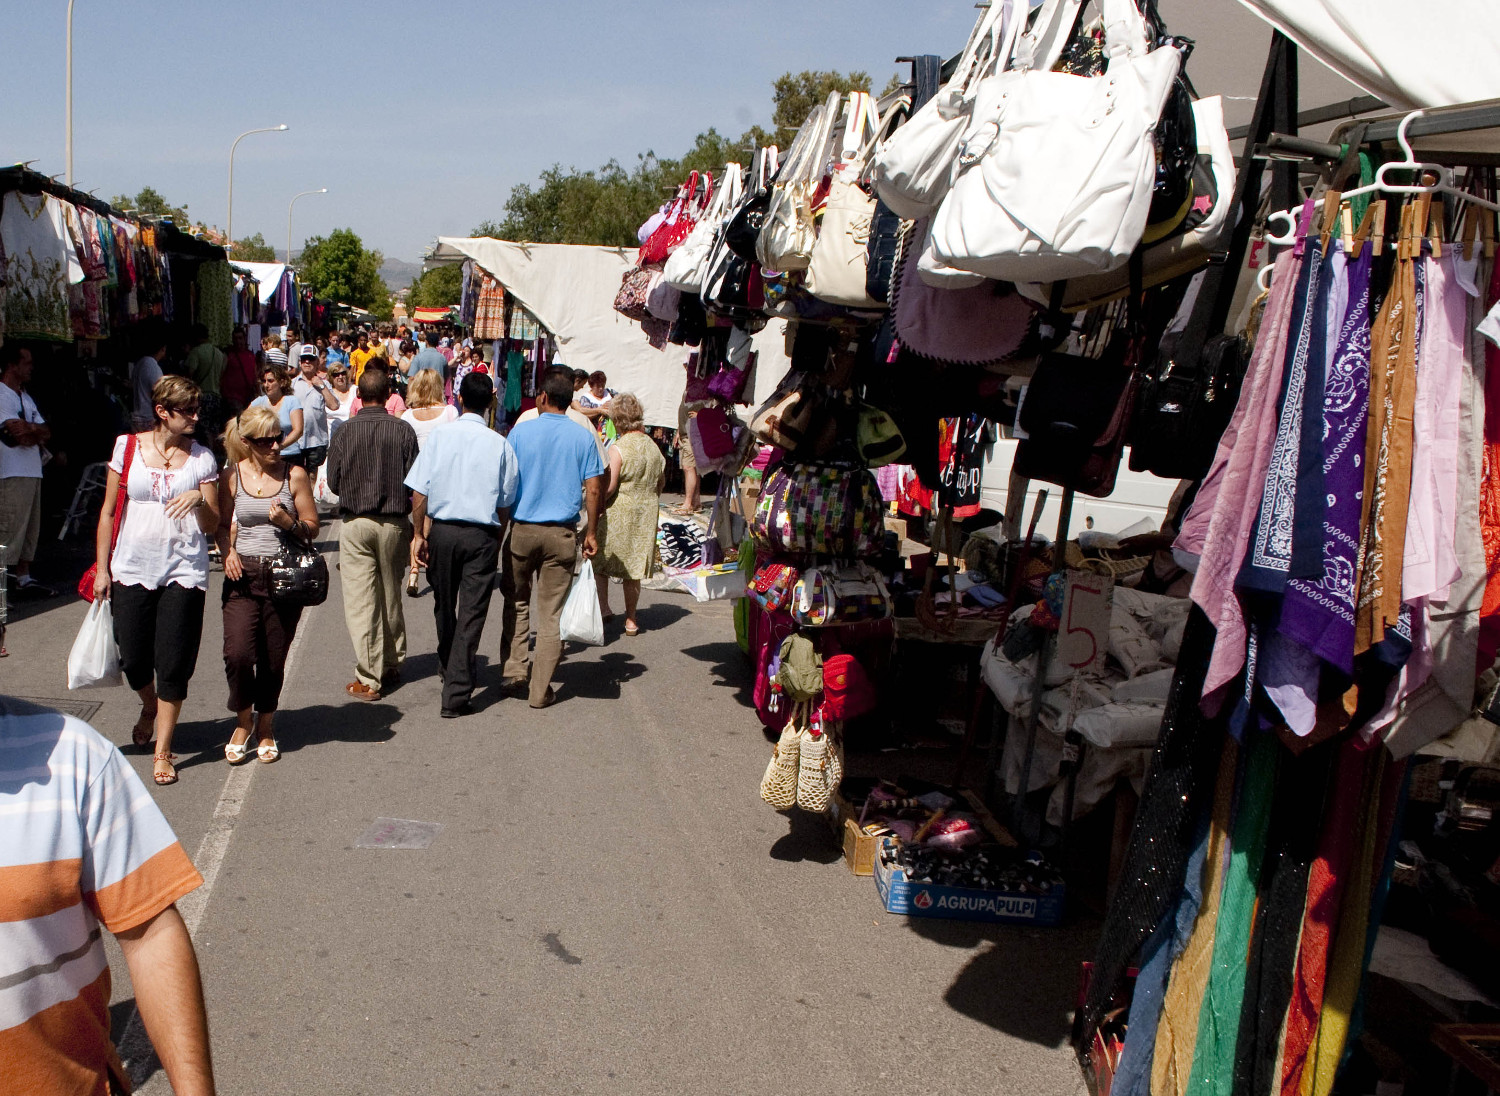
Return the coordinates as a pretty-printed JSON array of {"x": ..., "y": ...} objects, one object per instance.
[
  {"x": 820, "y": 770},
  {"x": 786, "y": 241},
  {"x": 1055, "y": 178},
  {"x": 779, "y": 785}
]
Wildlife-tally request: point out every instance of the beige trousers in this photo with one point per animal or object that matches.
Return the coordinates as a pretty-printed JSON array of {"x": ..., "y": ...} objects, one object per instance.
[
  {"x": 540, "y": 557},
  {"x": 372, "y": 564},
  {"x": 20, "y": 518}
]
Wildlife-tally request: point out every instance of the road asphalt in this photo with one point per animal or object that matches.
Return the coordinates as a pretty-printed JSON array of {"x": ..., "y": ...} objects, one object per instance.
[{"x": 608, "y": 906}]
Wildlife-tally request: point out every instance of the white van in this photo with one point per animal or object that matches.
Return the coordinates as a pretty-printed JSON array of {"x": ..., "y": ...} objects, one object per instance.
[{"x": 1137, "y": 495}]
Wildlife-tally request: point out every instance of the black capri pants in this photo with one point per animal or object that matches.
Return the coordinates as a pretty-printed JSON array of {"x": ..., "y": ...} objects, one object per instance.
[{"x": 158, "y": 632}]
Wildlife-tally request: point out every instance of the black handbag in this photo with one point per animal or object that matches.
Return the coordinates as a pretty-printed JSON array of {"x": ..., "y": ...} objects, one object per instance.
[
  {"x": 1185, "y": 404},
  {"x": 1076, "y": 412},
  {"x": 299, "y": 576},
  {"x": 743, "y": 228}
]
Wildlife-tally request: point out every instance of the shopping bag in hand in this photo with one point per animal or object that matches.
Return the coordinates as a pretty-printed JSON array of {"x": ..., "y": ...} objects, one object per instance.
[
  {"x": 581, "y": 620},
  {"x": 94, "y": 659}
]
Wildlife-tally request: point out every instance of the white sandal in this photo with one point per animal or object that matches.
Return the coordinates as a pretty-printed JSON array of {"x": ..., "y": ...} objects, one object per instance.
[
  {"x": 236, "y": 752},
  {"x": 268, "y": 754}
]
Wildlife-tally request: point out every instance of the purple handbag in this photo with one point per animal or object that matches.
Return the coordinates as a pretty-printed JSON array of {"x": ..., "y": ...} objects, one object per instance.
[
  {"x": 982, "y": 325},
  {"x": 729, "y": 383}
]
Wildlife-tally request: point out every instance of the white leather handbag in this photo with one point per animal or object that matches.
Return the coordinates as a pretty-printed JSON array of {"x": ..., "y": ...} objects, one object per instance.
[
  {"x": 841, "y": 255},
  {"x": 1055, "y": 176},
  {"x": 913, "y": 169},
  {"x": 687, "y": 265},
  {"x": 786, "y": 240}
]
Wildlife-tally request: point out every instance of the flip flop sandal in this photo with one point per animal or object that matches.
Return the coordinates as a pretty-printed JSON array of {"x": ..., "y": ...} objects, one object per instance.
[{"x": 164, "y": 778}]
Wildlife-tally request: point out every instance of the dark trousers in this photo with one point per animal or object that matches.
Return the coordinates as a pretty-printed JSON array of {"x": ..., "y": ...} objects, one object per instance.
[
  {"x": 158, "y": 632},
  {"x": 257, "y": 635},
  {"x": 461, "y": 562},
  {"x": 313, "y": 459}
]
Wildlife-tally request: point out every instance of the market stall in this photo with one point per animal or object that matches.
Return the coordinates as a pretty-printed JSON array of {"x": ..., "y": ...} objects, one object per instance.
[{"x": 1047, "y": 237}]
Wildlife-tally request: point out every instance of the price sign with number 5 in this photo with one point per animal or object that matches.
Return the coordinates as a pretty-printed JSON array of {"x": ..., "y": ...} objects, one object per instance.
[{"x": 1083, "y": 637}]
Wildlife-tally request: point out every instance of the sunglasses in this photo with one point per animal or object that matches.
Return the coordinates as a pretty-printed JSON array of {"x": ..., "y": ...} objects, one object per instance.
[
  {"x": 185, "y": 412},
  {"x": 267, "y": 440}
]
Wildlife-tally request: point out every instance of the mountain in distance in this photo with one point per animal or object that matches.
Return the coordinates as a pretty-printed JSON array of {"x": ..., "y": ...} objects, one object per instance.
[{"x": 396, "y": 273}]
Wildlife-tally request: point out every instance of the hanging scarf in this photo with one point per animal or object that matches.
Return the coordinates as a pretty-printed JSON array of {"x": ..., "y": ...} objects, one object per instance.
[
  {"x": 1285, "y": 541},
  {"x": 1388, "y": 451},
  {"x": 1177, "y": 1031},
  {"x": 1325, "y": 889},
  {"x": 1239, "y": 469},
  {"x": 1219, "y": 1016},
  {"x": 1489, "y": 490}
]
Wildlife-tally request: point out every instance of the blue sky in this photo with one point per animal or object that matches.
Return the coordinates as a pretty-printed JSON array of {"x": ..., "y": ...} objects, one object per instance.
[{"x": 418, "y": 117}]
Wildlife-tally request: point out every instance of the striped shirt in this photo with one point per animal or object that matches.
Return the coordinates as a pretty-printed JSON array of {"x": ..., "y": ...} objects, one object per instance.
[
  {"x": 367, "y": 464},
  {"x": 81, "y": 843}
]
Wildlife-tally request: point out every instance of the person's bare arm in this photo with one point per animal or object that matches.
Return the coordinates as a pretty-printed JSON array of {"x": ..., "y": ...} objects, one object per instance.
[
  {"x": 105, "y": 532},
  {"x": 421, "y": 525},
  {"x": 295, "y": 433},
  {"x": 225, "y": 536},
  {"x": 593, "y": 489},
  {"x": 612, "y": 484},
  {"x": 307, "y": 523},
  {"x": 169, "y": 995}
]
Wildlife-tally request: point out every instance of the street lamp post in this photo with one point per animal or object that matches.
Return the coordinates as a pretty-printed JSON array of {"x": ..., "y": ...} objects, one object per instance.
[
  {"x": 69, "y": 96},
  {"x": 304, "y": 194},
  {"x": 229, "y": 227}
]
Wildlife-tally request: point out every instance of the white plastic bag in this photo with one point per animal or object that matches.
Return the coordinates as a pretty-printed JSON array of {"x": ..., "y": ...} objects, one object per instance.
[
  {"x": 321, "y": 491},
  {"x": 95, "y": 660},
  {"x": 581, "y": 620}
]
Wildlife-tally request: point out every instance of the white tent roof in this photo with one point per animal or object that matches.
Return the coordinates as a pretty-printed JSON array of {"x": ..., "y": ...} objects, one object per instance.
[
  {"x": 267, "y": 274},
  {"x": 570, "y": 289},
  {"x": 1430, "y": 54}
]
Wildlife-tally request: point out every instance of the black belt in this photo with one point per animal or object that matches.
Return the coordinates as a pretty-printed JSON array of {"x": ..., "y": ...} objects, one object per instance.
[
  {"x": 467, "y": 524},
  {"x": 557, "y": 524}
]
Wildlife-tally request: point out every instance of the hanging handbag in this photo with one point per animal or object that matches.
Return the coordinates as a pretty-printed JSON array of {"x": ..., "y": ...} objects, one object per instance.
[
  {"x": 878, "y": 437},
  {"x": 809, "y": 510},
  {"x": 980, "y": 325},
  {"x": 687, "y": 266},
  {"x": 778, "y": 786},
  {"x": 688, "y": 206},
  {"x": 848, "y": 692},
  {"x": 786, "y": 240},
  {"x": 1185, "y": 404},
  {"x": 1191, "y": 242},
  {"x": 839, "y": 267},
  {"x": 714, "y": 434},
  {"x": 840, "y": 595},
  {"x": 1076, "y": 413},
  {"x": 122, "y": 499},
  {"x": 742, "y": 231},
  {"x": 771, "y": 588},
  {"x": 820, "y": 768},
  {"x": 635, "y": 287},
  {"x": 298, "y": 575},
  {"x": 663, "y": 300},
  {"x": 1055, "y": 178}
]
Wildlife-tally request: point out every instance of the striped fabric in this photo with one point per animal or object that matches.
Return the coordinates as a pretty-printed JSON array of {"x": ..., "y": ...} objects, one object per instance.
[{"x": 81, "y": 843}]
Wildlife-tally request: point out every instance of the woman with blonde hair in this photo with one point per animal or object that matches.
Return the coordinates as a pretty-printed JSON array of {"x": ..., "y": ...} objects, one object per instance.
[
  {"x": 156, "y": 574},
  {"x": 265, "y": 505},
  {"x": 632, "y": 498},
  {"x": 425, "y": 408},
  {"x": 276, "y": 393}
]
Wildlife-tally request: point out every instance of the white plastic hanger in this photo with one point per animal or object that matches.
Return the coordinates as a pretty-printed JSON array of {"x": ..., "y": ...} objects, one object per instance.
[{"x": 1444, "y": 185}]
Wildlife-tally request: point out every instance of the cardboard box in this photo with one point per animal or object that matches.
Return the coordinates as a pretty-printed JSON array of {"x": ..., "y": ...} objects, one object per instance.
[{"x": 900, "y": 895}]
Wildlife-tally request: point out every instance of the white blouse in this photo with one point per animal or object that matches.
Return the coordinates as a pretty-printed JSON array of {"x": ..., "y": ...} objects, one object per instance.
[{"x": 153, "y": 549}]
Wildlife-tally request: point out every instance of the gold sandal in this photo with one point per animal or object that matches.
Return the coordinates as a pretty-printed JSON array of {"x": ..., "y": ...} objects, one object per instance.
[{"x": 164, "y": 778}]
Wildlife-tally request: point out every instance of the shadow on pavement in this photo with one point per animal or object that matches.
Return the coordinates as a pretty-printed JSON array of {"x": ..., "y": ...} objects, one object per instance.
[
  {"x": 201, "y": 742},
  {"x": 808, "y": 838},
  {"x": 596, "y": 679},
  {"x": 730, "y": 667},
  {"x": 141, "y": 1060},
  {"x": 657, "y": 615},
  {"x": 1024, "y": 983}
]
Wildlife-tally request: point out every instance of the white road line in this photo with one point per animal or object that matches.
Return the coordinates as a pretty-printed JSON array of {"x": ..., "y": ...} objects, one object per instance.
[{"x": 135, "y": 1048}]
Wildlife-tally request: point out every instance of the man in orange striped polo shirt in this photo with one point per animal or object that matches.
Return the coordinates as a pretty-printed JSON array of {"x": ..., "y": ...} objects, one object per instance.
[{"x": 82, "y": 844}]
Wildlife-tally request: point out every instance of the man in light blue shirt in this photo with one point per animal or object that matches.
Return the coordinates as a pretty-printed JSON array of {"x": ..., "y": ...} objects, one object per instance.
[
  {"x": 560, "y": 473},
  {"x": 464, "y": 484},
  {"x": 429, "y": 357}
]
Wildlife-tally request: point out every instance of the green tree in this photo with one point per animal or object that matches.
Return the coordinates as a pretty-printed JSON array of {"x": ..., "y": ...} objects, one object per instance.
[
  {"x": 796, "y": 94},
  {"x": 152, "y": 204},
  {"x": 338, "y": 267},
  {"x": 254, "y": 249},
  {"x": 438, "y": 287}
]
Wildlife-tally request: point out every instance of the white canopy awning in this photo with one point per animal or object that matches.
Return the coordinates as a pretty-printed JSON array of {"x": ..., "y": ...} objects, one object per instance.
[
  {"x": 570, "y": 289},
  {"x": 1430, "y": 54},
  {"x": 269, "y": 276}
]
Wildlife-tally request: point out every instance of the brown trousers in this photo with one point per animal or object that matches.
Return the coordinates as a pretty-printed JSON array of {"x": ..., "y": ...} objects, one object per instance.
[
  {"x": 539, "y": 556},
  {"x": 257, "y": 635}
]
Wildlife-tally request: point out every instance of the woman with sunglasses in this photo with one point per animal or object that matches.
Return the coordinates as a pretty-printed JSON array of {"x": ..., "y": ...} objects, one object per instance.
[
  {"x": 343, "y": 391},
  {"x": 265, "y": 503},
  {"x": 156, "y": 576},
  {"x": 276, "y": 393}
]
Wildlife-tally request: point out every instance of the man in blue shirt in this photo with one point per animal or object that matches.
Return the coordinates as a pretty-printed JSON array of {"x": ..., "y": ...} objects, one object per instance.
[
  {"x": 561, "y": 472},
  {"x": 464, "y": 483},
  {"x": 336, "y": 352},
  {"x": 429, "y": 357}
]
